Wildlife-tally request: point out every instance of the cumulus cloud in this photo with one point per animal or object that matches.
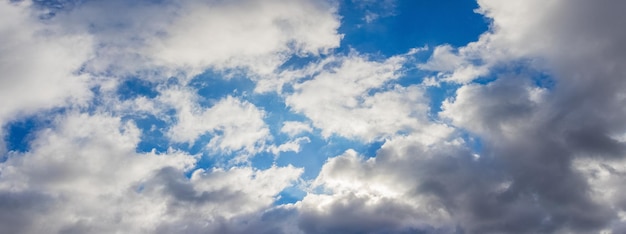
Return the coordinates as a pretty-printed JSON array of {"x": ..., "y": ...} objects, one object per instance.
[
  {"x": 507, "y": 154},
  {"x": 293, "y": 128},
  {"x": 542, "y": 135},
  {"x": 56, "y": 56},
  {"x": 355, "y": 99},
  {"x": 550, "y": 157},
  {"x": 189, "y": 37},
  {"x": 236, "y": 125},
  {"x": 386, "y": 194},
  {"x": 83, "y": 175}
]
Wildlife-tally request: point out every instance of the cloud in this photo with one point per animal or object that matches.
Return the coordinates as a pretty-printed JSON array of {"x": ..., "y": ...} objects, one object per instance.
[
  {"x": 457, "y": 67},
  {"x": 293, "y": 128},
  {"x": 305, "y": 26},
  {"x": 56, "y": 57},
  {"x": 374, "y": 10},
  {"x": 542, "y": 135},
  {"x": 355, "y": 98},
  {"x": 385, "y": 194},
  {"x": 189, "y": 37},
  {"x": 235, "y": 125},
  {"x": 65, "y": 183},
  {"x": 550, "y": 155},
  {"x": 509, "y": 154},
  {"x": 293, "y": 146}
]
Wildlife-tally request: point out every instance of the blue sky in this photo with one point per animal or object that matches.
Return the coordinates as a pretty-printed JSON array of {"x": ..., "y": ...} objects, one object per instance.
[
  {"x": 403, "y": 25},
  {"x": 304, "y": 116}
]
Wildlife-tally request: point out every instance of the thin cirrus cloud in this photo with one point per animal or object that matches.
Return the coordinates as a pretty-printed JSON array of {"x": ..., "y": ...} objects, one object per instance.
[{"x": 114, "y": 118}]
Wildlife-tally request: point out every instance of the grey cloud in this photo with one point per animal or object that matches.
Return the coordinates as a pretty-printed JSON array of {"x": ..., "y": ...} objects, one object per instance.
[
  {"x": 545, "y": 194},
  {"x": 172, "y": 182},
  {"x": 536, "y": 141},
  {"x": 351, "y": 214},
  {"x": 278, "y": 220},
  {"x": 19, "y": 209},
  {"x": 160, "y": 39},
  {"x": 528, "y": 178}
]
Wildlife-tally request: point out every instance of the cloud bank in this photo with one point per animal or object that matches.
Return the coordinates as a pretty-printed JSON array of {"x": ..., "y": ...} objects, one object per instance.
[{"x": 528, "y": 138}]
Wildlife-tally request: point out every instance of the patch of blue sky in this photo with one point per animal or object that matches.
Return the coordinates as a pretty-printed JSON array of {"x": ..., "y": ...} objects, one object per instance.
[
  {"x": 290, "y": 195},
  {"x": 299, "y": 61},
  {"x": 19, "y": 133},
  {"x": 213, "y": 86},
  {"x": 263, "y": 160},
  {"x": 152, "y": 128},
  {"x": 276, "y": 111},
  {"x": 314, "y": 154},
  {"x": 54, "y": 6},
  {"x": 311, "y": 157},
  {"x": 473, "y": 142},
  {"x": 134, "y": 87},
  {"x": 544, "y": 80},
  {"x": 437, "y": 95},
  {"x": 208, "y": 158},
  {"x": 411, "y": 24},
  {"x": 521, "y": 69},
  {"x": 96, "y": 102},
  {"x": 528, "y": 68},
  {"x": 204, "y": 162},
  {"x": 152, "y": 135}
]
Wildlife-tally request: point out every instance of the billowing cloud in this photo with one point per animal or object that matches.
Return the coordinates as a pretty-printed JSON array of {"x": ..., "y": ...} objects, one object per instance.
[
  {"x": 293, "y": 128},
  {"x": 519, "y": 131},
  {"x": 189, "y": 37},
  {"x": 56, "y": 56},
  {"x": 84, "y": 175},
  {"x": 550, "y": 153},
  {"x": 236, "y": 125},
  {"x": 356, "y": 99}
]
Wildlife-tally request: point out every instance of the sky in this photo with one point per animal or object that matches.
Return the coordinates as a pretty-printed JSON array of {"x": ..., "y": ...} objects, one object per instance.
[{"x": 312, "y": 116}]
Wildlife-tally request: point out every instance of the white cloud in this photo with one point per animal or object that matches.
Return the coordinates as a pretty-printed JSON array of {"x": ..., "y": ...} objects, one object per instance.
[
  {"x": 495, "y": 110},
  {"x": 556, "y": 141},
  {"x": 551, "y": 159},
  {"x": 186, "y": 38},
  {"x": 71, "y": 167},
  {"x": 454, "y": 67},
  {"x": 220, "y": 34},
  {"x": 39, "y": 64},
  {"x": 294, "y": 128},
  {"x": 293, "y": 146},
  {"x": 354, "y": 99},
  {"x": 236, "y": 125},
  {"x": 382, "y": 194},
  {"x": 83, "y": 175}
]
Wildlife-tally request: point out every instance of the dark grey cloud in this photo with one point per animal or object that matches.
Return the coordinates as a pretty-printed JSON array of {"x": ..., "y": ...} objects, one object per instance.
[
  {"x": 173, "y": 183},
  {"x": 537, "y": 134},
  {"x": 546, "y": 194},
  {"x": 19, "y": 209},
  {"x": 530, "y": 176}
]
